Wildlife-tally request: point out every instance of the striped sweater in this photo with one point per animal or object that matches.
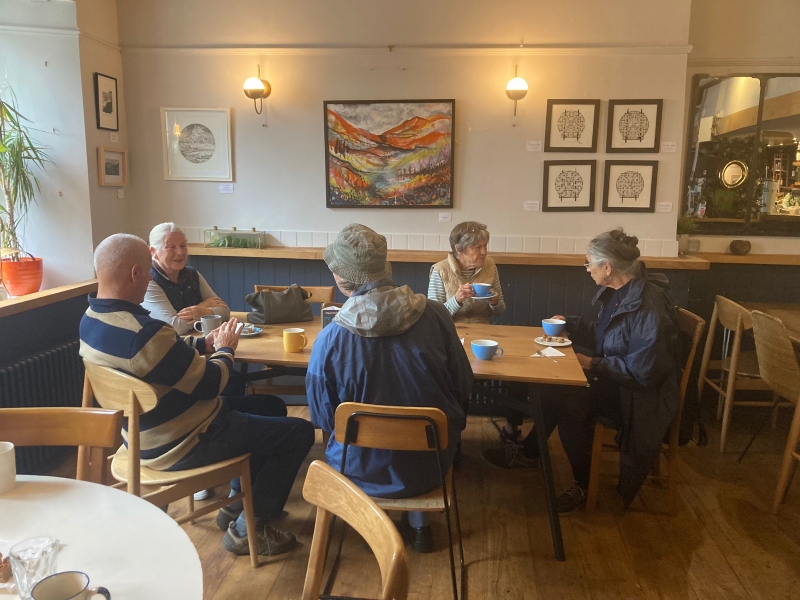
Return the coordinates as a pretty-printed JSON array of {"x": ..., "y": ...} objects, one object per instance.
[{"x": 123, "y": 336}]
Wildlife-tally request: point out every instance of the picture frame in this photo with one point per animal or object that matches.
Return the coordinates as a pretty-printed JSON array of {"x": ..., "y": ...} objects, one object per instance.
[
  {"x": 630, "y": 186},
  {"x": 389, "y": 153},
  {"x": 106, "y": 102},
  {"x": 112, "y": 167},
  {"x": 569, "y": 185},
  {"x": 634, "y": 126},
  {"x": 196, "y": 144},
  {"x": 572, "y": 125}
]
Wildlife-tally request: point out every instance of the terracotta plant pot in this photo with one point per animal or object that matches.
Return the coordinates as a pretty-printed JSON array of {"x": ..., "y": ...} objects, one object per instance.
[{"x": 21, "y": 277}]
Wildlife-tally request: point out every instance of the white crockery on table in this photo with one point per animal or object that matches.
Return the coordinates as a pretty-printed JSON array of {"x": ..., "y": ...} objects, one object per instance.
[
  {"x": 541, "y": 341},
  {"x": 123, "y": 542}
]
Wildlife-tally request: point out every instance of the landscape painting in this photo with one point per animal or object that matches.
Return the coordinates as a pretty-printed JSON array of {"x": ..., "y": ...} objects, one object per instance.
[{"x": 395, "y": 154}]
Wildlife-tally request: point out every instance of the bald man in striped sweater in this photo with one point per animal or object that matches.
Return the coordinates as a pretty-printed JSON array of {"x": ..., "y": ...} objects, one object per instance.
[{"x": 192, "y": 426}]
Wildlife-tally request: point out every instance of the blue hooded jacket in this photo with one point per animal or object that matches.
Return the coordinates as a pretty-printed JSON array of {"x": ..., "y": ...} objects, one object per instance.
[{"x": 389, "y": 346}]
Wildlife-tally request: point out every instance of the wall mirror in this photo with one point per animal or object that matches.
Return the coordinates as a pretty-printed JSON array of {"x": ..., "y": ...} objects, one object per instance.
[{"x": 742, "y": 157}]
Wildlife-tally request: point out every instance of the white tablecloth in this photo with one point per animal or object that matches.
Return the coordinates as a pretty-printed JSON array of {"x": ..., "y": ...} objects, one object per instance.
[{"x": 122, "y": 542}]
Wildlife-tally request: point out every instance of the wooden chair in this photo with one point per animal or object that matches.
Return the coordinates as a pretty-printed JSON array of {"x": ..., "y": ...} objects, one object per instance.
[
  {"x": 405, "y": 428},
  {"x": 116, "y": 390},
  {"x": 94, "y": 430},
  {"x": 779, "y": 368},
  {"x": 737, "y": 370},
  {"x": 317, "y": 294},
  {"x": 335, "y": 495},
  {"x": 691, "y": 325}
]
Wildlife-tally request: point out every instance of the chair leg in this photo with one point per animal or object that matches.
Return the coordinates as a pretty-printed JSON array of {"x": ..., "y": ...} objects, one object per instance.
[
  {"x": 249, "y": 513},
  {"x": 594, "y": 475},
  {"x": 460, "y": 542},
  {"x": 788, "y": 462},
  {"x": 190, "y": 502},
  {"x": 775, "y": 410},
  {"x": 450, "y": 540}
]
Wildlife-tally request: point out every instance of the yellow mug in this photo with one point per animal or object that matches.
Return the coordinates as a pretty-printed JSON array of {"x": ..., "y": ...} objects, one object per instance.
[{"x": 294, "y": 339}]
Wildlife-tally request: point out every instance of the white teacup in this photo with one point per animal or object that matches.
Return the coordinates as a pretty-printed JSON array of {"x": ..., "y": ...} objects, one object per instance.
[
  {"x": 8, "y": 467},
  {"x": 69, "y": 585},
  {"x": 208, "y": 323}
]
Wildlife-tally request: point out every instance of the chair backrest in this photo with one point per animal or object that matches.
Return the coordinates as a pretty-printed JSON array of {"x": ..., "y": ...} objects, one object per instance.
[
  {"x": 334, "y": 494},
  {"x": 730, "y": 314},
  {"x": 691, "y": 325},
  {"x": 777, "y": 360},
  {"x": 95, "y": 429},
  {"x": 390, "y": 427},
  {"x": 317, "y": 294},
  {"x": 117, "y": 390}
]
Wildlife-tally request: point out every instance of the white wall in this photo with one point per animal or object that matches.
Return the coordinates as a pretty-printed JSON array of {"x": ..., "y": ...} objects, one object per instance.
[
  {"x": 100, "y": 53},
  {"x": 40, "y": 61},
  {"x": 197, "y": 54}
]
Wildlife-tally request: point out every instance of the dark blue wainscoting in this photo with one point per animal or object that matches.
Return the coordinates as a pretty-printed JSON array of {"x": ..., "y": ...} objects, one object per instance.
[{"x": 532, "y": 293}]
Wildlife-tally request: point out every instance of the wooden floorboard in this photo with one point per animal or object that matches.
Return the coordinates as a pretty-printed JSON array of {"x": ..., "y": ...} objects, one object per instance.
[{"x": 723, "y": 543}]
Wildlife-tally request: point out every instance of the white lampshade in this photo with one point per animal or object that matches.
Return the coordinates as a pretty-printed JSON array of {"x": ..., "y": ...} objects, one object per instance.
[
  {"x": 517, "y": 88},
  {"x": 255, "y": 88}
]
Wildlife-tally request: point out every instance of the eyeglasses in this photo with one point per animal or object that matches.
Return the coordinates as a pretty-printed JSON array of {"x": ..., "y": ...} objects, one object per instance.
[{"x": 587, "y": 264}]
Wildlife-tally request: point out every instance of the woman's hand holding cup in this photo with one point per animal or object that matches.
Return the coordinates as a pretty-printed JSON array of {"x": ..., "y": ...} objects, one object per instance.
[{"x": 464, "y": 291}]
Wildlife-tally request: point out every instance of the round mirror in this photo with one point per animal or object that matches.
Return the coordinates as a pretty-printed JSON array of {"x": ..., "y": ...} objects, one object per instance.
[{"x": 733, "y": 174}]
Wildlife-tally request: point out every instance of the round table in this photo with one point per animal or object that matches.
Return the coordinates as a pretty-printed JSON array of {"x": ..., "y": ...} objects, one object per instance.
[{"x": 122, "y": 542}]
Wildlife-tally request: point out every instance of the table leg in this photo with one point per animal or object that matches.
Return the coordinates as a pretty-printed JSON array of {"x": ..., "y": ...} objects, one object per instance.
[{"x": 547, "y": 472}]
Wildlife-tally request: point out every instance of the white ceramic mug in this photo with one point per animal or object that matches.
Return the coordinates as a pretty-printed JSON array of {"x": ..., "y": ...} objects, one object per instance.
[
  {"x": 208, "y": 323},
  {"x": 69, "y": 585},
  {"x": 8, "y": 467}
]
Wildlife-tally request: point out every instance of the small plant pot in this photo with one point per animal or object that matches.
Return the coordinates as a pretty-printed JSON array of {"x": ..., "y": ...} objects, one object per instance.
[{"x": 21, "y": 277}]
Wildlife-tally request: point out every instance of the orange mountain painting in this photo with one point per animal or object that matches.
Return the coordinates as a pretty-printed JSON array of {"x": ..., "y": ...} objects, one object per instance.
[{"x": 389, "y": 153}]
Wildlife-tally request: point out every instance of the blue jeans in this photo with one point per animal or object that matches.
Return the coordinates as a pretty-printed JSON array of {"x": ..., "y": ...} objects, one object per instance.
[{"x": 277, "y": 445}]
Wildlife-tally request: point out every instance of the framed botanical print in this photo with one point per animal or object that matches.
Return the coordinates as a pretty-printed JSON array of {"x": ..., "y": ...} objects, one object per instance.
[
  {"x": 630, "y": 186},
  {"x": 568, "y": 185},
  {"x": 571, "y": 126},
  {"x": 634, "y": 126},
  {"x": 196, "y": 144},
  {"x": 106, "y": 102},
  {"x": 389, "y": 153}
]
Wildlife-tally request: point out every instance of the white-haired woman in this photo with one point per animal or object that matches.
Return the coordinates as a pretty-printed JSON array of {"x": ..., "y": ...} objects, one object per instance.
[{"x": 178, "y": 294}]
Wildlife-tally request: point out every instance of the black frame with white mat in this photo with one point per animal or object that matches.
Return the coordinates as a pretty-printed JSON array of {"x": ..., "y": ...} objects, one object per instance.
[
  {"x": 570, "y": 191},
  {"x": 635, "y": 181},
  {"x": 631, "y": 126}
]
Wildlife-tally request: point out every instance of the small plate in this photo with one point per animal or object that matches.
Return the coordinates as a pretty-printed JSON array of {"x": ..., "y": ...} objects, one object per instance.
[
  {"x": 255, "y": 332},
  {"x": 540, "y": 341},
  {"x": 485, "y": 297}
]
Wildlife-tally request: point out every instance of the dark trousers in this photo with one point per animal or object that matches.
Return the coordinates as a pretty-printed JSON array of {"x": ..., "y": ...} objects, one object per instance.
[
  {"x": 574, "y": 411},
  {"x": 278, "y": 445}
]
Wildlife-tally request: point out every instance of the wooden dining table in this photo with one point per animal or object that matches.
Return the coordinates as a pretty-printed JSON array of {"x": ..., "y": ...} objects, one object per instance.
[
  {"x": 516, "y": 364},
  {"x": 789, "y": 313}
]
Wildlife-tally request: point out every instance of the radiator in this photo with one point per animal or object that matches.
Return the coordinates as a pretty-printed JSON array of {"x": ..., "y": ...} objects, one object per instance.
[{"x": 52, "y": 378}]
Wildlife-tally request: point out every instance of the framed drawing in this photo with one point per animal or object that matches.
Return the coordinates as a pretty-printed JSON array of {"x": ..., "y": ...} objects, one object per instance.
[
  {"x": 112, "y": 167},
  {"x": 105, "y": 102},
  {"x": 630, "y": 186},
  {"x": 389, "y": 153},
  {"x": 571, "y": 126},
  {"x": 196, "y": 144},
  {"x": 634, "y": 126},
  {"x": 569, "y": 185}
]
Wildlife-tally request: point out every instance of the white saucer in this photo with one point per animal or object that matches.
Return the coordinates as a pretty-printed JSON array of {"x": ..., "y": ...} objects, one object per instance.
[
  {"x": 255, "y": 332},
  {"x": 540, "y": 341},
  {"x": 480, "y": 298}
]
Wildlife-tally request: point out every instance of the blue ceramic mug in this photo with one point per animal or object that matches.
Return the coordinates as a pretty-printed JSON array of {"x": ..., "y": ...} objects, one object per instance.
[
  {"x": 486, "y": 349},
  {"x": 482, "y": 289},
  {"x": 553, "y": 326}
]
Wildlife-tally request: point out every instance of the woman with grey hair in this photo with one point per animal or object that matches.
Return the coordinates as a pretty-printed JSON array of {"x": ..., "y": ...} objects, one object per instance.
[
  {"x": 178, "y": 294},
  {"x": 631, "y": 359},
  {"x": 451, "y": 279}
]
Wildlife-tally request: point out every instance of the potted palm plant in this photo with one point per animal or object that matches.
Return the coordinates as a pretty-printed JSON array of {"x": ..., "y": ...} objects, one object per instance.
[{"x": 20, "y": 156}]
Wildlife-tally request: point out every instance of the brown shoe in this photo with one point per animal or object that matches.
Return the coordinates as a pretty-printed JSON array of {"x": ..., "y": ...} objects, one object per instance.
[{"x": 269, "y": 541}]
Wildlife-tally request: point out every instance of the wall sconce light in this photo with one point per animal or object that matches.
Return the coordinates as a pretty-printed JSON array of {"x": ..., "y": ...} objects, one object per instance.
[
  {"x": 256, "y": 88},
  {"x": 516, "y": 89}
]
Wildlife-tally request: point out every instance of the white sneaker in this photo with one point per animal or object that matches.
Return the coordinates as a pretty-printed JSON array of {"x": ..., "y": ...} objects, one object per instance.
[{"x": 204, "y": 494}]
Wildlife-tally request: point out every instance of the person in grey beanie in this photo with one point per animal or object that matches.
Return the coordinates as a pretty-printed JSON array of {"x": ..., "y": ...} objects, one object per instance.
[{"x": 390, "y": 346}]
